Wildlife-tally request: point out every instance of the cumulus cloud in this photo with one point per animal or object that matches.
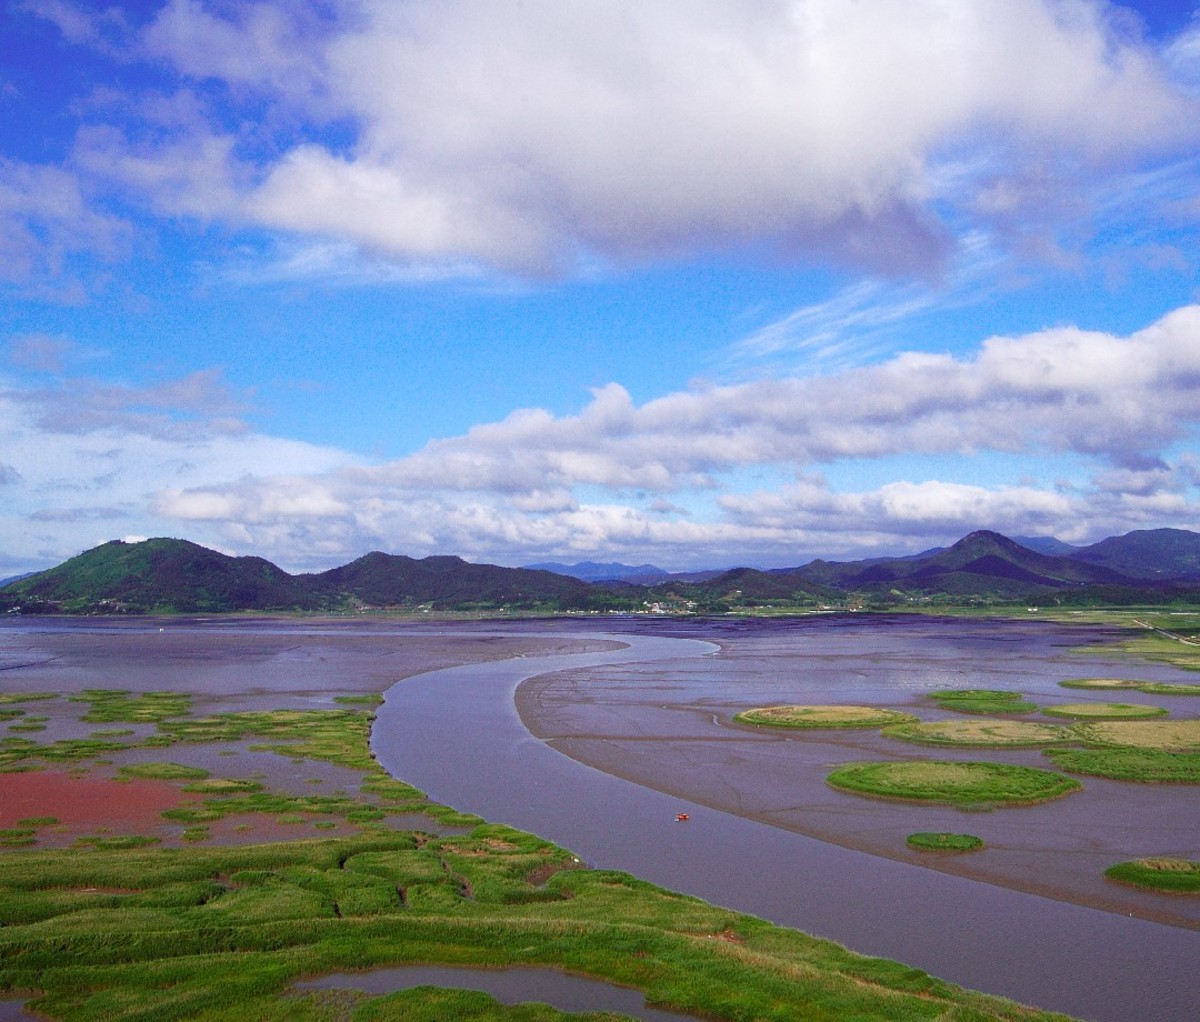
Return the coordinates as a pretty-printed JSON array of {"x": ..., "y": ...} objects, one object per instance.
[
  {"x": 634, "y": 129},
  {"x": 90, "y": 454},
  {"x": 536, "y": 138},
  {"x": 1061, "y": 390}
]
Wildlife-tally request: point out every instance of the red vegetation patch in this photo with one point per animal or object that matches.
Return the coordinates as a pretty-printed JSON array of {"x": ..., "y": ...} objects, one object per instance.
[{"x": 85, "y": 802}]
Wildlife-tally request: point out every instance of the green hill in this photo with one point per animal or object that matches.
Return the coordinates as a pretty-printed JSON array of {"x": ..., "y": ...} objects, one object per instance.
[
  {"x": 392, "y": 580},
  {"x": 1148, "y": 554},
  {"x": 161, "y": 576},
  {"x": 164, "y": 576}
]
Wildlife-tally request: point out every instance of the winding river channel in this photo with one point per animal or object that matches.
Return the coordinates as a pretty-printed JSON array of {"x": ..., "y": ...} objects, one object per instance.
[{"x": 457, "y": 734}]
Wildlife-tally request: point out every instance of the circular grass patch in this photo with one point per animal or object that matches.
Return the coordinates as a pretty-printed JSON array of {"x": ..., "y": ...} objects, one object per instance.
[
  {"x": 981, "y": 700},
  {"x": 822, "y": 716},
  {"x": 1178, "y": 876},
  {"x": 1155, "y": 688},
  {"x": 929, "y": 841},
  {"x": 1009, "y": 734},
  {"x": 1105, "y": 711},
  {"x": 1169, "y": 688},
  {"x": 1146, "y": 766},
  {"x": 1159, "y": 735},
  {"x": 1099, "y": 683},
  {"x": 970, "y": 784}
]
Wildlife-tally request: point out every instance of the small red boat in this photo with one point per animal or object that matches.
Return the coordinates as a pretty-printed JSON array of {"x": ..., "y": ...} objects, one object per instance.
[{"x": 680, "y": 817}]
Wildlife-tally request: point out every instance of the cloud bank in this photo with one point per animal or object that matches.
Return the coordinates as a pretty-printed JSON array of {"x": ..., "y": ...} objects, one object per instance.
[{"x": 665, "y": 479}]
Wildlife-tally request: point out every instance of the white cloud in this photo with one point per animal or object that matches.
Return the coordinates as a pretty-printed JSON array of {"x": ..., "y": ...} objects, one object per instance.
[
  {"x": 536, "y": 484},
  {"x": 539, "y": 137},
  {"x": 85, "y": 462},
  {"x": 265, "y": 45},
  {"x": 45, "y": 220}
]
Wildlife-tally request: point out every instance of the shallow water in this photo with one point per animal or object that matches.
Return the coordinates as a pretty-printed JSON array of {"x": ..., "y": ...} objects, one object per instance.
[{"x": 510, "y": 986}]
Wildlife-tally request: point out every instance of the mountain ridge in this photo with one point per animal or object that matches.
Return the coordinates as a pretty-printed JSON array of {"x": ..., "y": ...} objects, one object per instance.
[{"x": 166, "y": 575}]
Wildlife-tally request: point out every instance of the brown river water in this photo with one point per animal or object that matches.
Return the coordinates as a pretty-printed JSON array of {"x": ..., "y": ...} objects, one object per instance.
[{"x": 599, "y": 749}]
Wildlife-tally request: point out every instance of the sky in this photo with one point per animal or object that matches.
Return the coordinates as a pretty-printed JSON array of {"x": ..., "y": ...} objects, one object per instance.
[{"x": 700, "y": 283}]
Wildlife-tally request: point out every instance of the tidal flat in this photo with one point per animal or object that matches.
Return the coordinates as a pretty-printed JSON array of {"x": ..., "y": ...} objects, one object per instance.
[
  {"x": 248, "y": 668},
  {"x": 673, "y": 727}
]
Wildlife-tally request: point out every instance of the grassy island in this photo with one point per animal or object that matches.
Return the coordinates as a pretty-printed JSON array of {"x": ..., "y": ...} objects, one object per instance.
[
  {"x": 1150, "y": 751},
  {"x": 968, "y": 784},
  {"x": 1161, "y": 735},
  {"x": 1105, "y": 711},
  {"x": 927, "y": 841},
  {"x": 1007, "y": 734},
  {"x": 823, "y": 716},
  {"x": 1176, "y": 876},
  {"x": 1155, "y": 688},
  {"x": 981, "y": 700}
]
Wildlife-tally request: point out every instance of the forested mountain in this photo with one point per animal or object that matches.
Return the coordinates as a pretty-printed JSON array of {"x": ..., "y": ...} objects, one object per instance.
[{"x": 176, "y": 576}]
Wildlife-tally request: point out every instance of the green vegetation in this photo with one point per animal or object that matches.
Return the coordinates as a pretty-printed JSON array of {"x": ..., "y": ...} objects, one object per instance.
[
  {"x": 110, "y": 705},
  {"x": 981, "y": 572},
  {"x": 1177, "y": 876},
  {"x": 1150, "y": 751},
  {"x": 1009, "y": 734},
  {"x": 1163, "y": 735},
  {"x": 968, "y": 784},
  {"x": 116, "y": 929},
  {"x": 1150, "y": 766},
  {"x": 163, "y": 772},
  {"x": 1167, "y": 648},
  {"x": 1157, "y": 688},
  {"x": 334, "y": 736},
  {"x": 223, "y": 786},
  {"x": 930, "y": 841},
  {"x": 981, "y": 700},
  {"x": 822, "y": 716},
  {"x": 17, "y": 837},
  {"x": 208, "y": 933},
  {"x": 1105, "y": 711}
]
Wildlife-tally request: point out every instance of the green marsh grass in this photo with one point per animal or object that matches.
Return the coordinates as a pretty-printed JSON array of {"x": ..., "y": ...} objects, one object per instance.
[
  {"x": 1175, "y": 876},
  {"x": 952, "y": 782},
  {"x": 981, "y": 700},
  {"x": 119, "y": 930},
  {"x": 1147, "y": 766},
  {"x": 163, "y": 772},
  {"x": 822, "y": 716},
  {"x": 110, "y": 705},
  {"x": 1157, "y": 688},
  {"x": 1007, "y": 734},
  {"x": 211, "y": 933},
  {"x": 933, "y": 841},
  {"x": 1105, "y": 711},
  {"x": 8, "y": 698}
]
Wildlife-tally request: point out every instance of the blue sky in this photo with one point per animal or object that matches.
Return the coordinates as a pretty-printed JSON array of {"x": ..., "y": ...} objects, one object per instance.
[{"x": 699, "y": 283}]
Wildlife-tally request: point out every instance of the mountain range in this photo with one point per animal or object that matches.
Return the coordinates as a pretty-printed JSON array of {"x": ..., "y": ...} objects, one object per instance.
[{"x": 177, "y": 576}]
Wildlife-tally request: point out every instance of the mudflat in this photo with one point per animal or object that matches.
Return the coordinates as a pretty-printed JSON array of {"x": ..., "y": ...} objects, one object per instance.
[{"x": 671, "y": 727}]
